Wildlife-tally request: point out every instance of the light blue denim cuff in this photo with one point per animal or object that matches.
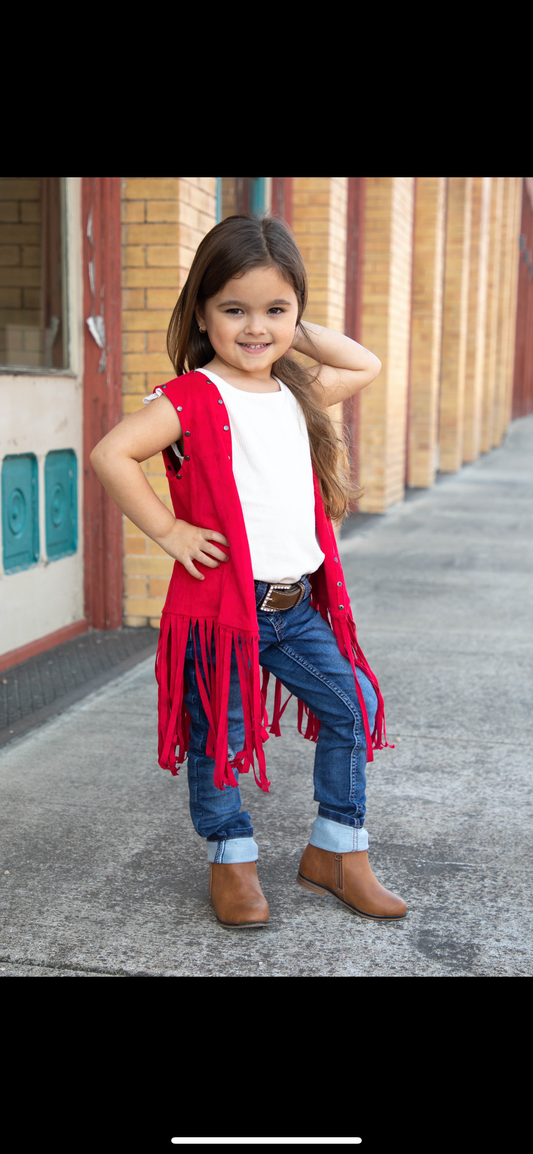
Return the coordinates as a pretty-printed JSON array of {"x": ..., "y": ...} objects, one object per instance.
[
  {"x": 234, "y": 849},
  {"x": 337, "y": 838}
]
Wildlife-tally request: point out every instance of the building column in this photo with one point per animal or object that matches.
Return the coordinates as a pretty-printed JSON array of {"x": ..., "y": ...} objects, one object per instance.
[
  {"x": 455, "y": 321},
  {"x": 352, "y": 314},
  {"x": 477, "y": 315},
  {"x": 281, "y": 201},
  {"x": 500, "y": 389},
  {"x": 523, "y": 366},
  {"x": 426, "y": 328},
  {"x": 493, "y": 293},
  {"x": 385, "y": 331},
  {"x": 319, "y": 210},
  {"x": 164, "y": 220},
  {"x": 513, "y": 303},
  {"x": 100, "y": 224}
]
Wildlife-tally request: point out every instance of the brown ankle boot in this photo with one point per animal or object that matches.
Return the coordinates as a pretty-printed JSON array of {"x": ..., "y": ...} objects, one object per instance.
[
  {"x": 349, "y": 878},
  {"x": 236, "y": 896}
]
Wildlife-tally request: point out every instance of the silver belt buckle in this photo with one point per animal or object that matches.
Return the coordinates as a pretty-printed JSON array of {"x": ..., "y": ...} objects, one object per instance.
[
  {"x": 264, "y": 606},
  {"x": 302, "y": 594}
]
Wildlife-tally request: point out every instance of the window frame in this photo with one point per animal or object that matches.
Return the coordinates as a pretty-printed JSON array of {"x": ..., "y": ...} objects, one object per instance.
[{"x": 70, "y": 370}]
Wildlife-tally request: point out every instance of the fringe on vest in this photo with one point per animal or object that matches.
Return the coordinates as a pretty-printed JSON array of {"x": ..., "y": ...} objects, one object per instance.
[{"x": 213, "y": 679}]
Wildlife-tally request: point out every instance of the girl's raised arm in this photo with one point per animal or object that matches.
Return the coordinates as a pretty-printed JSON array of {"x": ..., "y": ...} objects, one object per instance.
[
  {"x": 116, "y": 460},
  {"x": 348, "y": 367}
]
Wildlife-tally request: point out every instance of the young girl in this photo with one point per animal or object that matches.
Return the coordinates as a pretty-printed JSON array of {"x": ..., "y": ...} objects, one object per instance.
[{"x": 256, "y": 475}]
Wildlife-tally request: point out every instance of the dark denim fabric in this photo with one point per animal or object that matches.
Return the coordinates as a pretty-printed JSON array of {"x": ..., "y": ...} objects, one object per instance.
[{"x": 299, "y": 647}]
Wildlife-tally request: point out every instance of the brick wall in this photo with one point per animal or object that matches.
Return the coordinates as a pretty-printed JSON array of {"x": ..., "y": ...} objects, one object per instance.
[
  {"x": 509, "y": 323},
  {"x": 455, "y": 322},
  {"x": 438, "y": 307},
  {"x": 385, "y": 330},
  {"x": 517, "y": 224},
  {"x": 164, "y": 220},
  {"x": 476, "y": 316},
  {"x": 319, "y": 208},
  {"x": 523, "y": 359},
  {"x": 503, "y": 305},
  {"x": 493, "y": 291},
  {"x": 338, "y": 206},
  {"x": 319, "y": 226},
  {"x": 426, "y": 327}
]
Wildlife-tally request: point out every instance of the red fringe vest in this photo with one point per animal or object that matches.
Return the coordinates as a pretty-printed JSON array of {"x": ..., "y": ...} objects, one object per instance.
[{"x": 204, "y": 493}]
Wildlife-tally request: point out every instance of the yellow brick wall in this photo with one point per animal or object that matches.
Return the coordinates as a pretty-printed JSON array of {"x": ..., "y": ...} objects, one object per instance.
[
  {"x": 477, "y": 312},
  {"x": 503, "y": 310},
  {"x": 518, "y": 181},
  {"x": 319, "y": 227},
  {"x": 508, "y": 313},
  {"x": 462, "y": 256},
  {"x": 426, "y": 327},
  {"x": 338, "y": 207},
  {"x": 514, "y": 234},
  {"x": 385, "y": 330},
  {"x": 164, "y": 220},
  {"x": 320, "y": 205},
  {"x": 455, "y": 322},
  {"x": 493, "y": 293}
]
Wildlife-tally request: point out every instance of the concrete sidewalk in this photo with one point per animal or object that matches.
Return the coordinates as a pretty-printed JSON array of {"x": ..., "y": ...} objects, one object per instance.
[{"x": 102, "y": 873}]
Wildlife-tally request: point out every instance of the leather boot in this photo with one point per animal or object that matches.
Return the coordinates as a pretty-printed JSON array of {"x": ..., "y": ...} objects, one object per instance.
[
  {"x": 236, "y": 896},
  {"x": 349, "y": 878}
]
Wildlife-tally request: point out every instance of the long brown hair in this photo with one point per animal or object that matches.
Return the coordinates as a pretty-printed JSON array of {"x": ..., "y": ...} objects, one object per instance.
[{"x": 230, "y": 249}]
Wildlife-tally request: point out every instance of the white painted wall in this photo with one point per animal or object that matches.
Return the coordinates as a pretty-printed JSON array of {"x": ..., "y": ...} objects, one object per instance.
[{"x": 40, "y": 412}]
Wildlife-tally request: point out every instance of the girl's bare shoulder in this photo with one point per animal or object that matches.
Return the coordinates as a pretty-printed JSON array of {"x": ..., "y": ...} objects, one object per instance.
[{"x": 145, "y": 433}]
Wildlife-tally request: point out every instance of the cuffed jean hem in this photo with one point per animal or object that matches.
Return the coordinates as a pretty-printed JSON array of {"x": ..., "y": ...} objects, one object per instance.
[
  {"x": 233, "y": 849},
  {"x": 337, "y": 838}
]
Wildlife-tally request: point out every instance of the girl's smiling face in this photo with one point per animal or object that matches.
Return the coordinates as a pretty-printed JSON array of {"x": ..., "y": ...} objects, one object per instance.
[{"x": 251, "y": 322}]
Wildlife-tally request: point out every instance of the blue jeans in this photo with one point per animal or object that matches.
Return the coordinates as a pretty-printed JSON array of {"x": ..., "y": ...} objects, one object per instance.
[{"x": 297, "y": 646}]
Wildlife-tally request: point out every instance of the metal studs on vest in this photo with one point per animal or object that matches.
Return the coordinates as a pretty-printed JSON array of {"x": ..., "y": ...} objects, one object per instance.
[
  {"x": 339, "y": 582},
  {"x": 226, "y": 428},
  {"x": 221, "y": 402},
  {"x": 341, "y": 606},
  {"x": 187, "y": 434},
  {"x": 335, "y": 558},
  {"x": 180, "y": 408},
  {"x": 186, "y": 458},
  {"x": 178, "y": 476}
]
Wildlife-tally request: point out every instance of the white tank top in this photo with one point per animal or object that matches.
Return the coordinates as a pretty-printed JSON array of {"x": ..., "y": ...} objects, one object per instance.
[{"x": 274, "y": 479}]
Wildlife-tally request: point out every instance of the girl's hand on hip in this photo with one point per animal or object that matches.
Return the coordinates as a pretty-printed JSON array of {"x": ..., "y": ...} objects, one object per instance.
[{"x": 187, "y": 544}]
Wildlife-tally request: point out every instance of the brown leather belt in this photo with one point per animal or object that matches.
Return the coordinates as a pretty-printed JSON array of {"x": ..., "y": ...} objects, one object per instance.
[{"x": 281, "y": 596}]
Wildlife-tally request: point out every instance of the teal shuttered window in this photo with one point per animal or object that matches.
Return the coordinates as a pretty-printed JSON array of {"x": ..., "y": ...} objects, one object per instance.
[
  {"x": 61, "y": 503},
  {"x": 20, "y": 512}
]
